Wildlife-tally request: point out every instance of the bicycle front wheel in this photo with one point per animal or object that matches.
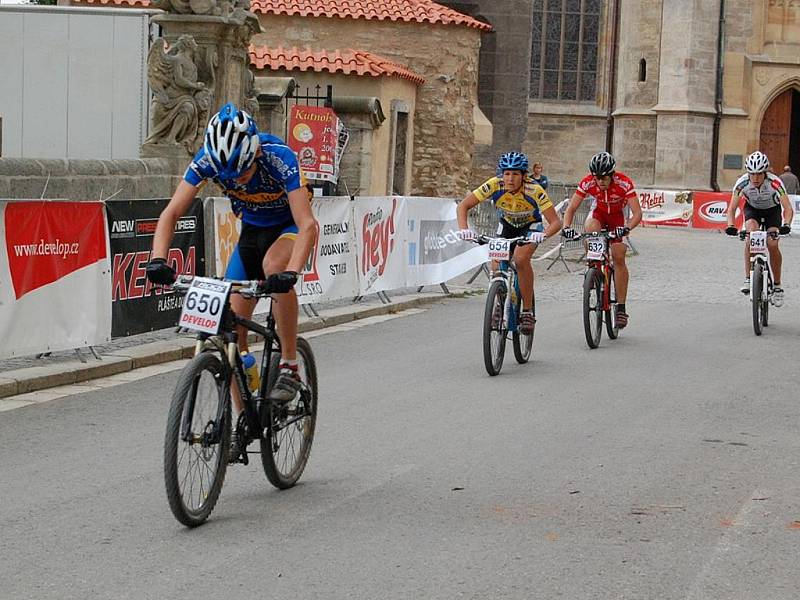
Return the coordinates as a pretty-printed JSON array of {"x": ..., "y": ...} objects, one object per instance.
[
  {"x": 523, "y": 344},
  {"x": 494, "y": 328},
  {"x": 289, "y": 429},
  {"x": 756, "y": 297},
  {"x": 196, "y": 459},
  {"x": 593, "y": 306},
  {"x": 610, "y": 315}
]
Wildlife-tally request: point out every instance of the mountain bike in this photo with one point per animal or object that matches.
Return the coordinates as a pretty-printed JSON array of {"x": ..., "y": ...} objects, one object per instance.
[
  {"x": 503, "y": 307},
  {"x": 199, "y": 428},
  {"x": 762, "y": 284},
  {"x": 599, "y": 289}
]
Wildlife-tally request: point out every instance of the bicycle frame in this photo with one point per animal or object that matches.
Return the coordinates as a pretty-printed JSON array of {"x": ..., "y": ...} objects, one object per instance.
[
  {"x": 763, "y": 259},
  {"x": 604, "y": 265},
  {"x": 508, "y": 273}
]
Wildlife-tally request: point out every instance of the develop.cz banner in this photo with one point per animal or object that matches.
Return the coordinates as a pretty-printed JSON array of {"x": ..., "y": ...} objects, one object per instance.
[
  {"x": 54, "y": 276},
  {"x": 137, "y": 305}
]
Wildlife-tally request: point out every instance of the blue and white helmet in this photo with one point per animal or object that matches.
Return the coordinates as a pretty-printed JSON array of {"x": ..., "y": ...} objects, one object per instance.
[
  {"x": 513, "y": 161},
  {"x": 757, "y": 162},
  {"x": 231, "y": 141}
]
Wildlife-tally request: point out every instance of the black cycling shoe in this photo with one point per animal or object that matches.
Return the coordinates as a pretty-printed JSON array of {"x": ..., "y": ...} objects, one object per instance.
[
  {"x": 286, "y": 387},
  {"x": 238, "y": 452}
]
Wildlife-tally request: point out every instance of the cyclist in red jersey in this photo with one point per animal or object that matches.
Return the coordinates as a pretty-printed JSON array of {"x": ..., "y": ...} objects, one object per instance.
[{"x": 612, "y": 192}]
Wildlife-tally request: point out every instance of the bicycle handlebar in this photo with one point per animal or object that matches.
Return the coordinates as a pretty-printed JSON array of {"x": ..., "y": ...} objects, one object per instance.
[
  {"x": 772, "y": 234},
  {"x": 485, "y": 239},
  {"x": 247, "y": 288}
]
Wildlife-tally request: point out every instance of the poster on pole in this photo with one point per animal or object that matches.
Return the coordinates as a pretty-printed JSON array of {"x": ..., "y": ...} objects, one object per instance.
[
  {"x": 55, "y": 275},
  {"x": 316, "y": 136},
  {"x": 137, "y": 305}
]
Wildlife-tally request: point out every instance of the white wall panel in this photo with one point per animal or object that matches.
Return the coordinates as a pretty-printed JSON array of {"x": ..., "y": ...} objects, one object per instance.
[
  {"x": 11, "y": 69},
  {"x": 74, "y": 82}
]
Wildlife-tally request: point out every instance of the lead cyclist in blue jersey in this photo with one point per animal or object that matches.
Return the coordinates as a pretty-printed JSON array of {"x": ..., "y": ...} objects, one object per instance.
[{"x": 260, "y": 175}]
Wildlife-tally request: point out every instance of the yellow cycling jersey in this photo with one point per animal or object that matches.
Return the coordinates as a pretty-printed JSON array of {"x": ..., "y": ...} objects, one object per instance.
[{"x": 517, "y": 208}]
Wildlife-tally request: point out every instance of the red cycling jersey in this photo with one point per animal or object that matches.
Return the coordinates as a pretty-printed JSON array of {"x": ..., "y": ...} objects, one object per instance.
[{"x": 611, "y": 200}]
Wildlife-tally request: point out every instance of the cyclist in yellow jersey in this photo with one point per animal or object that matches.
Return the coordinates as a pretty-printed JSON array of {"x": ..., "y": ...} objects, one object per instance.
[{"x": 521, "y": 203}]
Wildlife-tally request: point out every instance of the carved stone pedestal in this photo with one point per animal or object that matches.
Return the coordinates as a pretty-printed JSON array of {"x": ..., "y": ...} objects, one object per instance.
[{"x": 198, "y": 64}]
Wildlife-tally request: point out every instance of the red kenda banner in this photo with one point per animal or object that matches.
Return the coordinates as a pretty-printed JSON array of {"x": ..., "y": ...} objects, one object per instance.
[
  {"x": 313, "y": 135},
  {"x": 710, "y": 210},
  {"x": 47, "y": 240},
  {"x": 55, "y": 276}
]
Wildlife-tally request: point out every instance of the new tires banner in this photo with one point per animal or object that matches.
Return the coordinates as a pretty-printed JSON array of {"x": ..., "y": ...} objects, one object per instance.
[
  {"x": 54, "y": 277},
  {"x": 136, "y": 305}
]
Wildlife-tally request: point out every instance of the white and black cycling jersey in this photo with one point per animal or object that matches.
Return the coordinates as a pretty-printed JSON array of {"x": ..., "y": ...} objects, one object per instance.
[{"x": 767, "y": 195}]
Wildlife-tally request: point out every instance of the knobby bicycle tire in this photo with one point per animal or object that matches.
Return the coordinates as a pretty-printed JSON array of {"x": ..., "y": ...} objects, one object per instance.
[
  {"x": 494, "y": 332},
  {"x": 203, "y": 481},
  {"x": 299, "y": 416},
  {"x": 523, "y": 344},
  {"x": 592, "y": 312},
  {"x": 610, "y": 315},
  {"x": 756, "y": 297}
]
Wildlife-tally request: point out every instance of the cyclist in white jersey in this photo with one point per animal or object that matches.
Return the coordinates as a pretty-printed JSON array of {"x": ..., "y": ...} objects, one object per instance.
[{"x": 765, "y": 202}]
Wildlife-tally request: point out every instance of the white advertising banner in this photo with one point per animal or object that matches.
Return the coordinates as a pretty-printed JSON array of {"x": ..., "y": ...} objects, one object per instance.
[
  {"x": 666, "y": 208},
  {"x": 380, "y": 224},
  {"x": 434, "y": 252},
  {"x": 331, "y": 272},
  {"x": 796, "y": 221},
  {"x": 55, "y": 277}
]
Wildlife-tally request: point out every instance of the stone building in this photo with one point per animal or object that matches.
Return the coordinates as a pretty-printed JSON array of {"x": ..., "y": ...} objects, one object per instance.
[
  {"x": 374, "y": 97},
  {"x": 640, "y": 78},
  {"x": 437, "y": 43}
]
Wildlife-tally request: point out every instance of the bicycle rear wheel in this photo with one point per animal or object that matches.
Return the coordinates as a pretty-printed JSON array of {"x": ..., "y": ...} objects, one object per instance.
[
  {"x": 194, "y": 468},
  {"x": 610, "y": 316},
  {"x": 593, "y": 306},
  {"x": 523, "y": 344},
  {"x": 289, "y": 429},
  {"x": 756, "y": 298},
  {"x": 494, "y": 328}
]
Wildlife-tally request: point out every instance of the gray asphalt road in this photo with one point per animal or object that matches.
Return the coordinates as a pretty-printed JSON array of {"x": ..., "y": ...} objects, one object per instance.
[{"x": 663, "y": 465}]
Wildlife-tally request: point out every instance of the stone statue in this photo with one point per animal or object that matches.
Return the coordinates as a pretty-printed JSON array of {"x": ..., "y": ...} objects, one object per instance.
[
  {"x": 181, "y": 103},
  {"x": 250, "y": 102},
  {"x": 225, "y": 8}
]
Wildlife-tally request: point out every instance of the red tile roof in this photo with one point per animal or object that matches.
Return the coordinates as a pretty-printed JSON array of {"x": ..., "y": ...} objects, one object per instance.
[
  {"x": 421, "y": 11},
  {"x": 339, "y": 61}
]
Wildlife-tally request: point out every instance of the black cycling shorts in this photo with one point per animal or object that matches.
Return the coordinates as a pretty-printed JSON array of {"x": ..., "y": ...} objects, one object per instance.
[
  {"x": 507, "y": 231},
  {"x": 247, "y": 261},
  {"x": 769, "y": 217}
]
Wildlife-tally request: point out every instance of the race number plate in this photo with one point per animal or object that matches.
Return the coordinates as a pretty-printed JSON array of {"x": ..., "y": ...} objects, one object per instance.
[
  {"x": 595, "y": 248},
  {"x": 758, "y": 242},
  {"x": 203, "y": 305},
  {"x": 499, "y": 249}
]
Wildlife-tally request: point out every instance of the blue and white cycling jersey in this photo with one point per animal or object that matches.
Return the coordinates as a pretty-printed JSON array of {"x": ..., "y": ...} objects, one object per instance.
[{"x": 263, "y": 201}]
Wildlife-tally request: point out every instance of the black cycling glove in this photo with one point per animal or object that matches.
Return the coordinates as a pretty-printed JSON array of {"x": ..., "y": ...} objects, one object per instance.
[
  {"x": 280, "y": 283},
  {"x": 731, "y": 230},
  {"x": 158, "y": 271},
  {"x": 784, "y": 229}
]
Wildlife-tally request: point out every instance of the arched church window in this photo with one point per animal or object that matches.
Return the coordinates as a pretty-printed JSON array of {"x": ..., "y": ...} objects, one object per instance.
[{"x": 564, "y": 49}]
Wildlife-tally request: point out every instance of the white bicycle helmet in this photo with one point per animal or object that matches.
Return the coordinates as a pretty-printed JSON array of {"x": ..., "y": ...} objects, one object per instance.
[
  {"x": 757, "y": 162},
  {"x": 231, "y": 141}
]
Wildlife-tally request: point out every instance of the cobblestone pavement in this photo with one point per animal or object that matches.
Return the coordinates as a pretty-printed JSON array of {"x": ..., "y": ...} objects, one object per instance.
[{"x": 670, "y": 265}]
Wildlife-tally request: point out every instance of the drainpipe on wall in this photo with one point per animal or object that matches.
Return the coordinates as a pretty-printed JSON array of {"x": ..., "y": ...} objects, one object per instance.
[
  {"x": 718, "y": 98},
  {"x": 612, "y": 79}
]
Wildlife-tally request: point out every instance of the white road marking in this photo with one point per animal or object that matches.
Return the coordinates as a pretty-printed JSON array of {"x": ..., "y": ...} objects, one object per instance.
[{"x": 46, "y": 395}]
